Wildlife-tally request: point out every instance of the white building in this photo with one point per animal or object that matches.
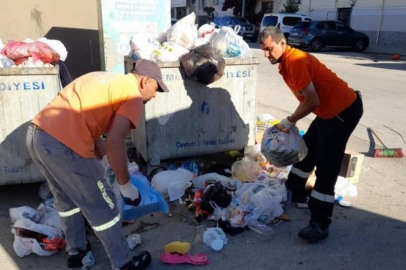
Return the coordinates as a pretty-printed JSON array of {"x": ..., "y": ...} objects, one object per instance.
[{"x": 384, "y": 21}]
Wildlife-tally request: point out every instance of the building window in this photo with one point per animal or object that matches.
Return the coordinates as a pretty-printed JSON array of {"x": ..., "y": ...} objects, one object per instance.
[
  {"x": 267, "y": 7},
  {"x": 202, "y": 4},
  {"x": 193, "y": 2},
  {"x": 215, "y": 2}
]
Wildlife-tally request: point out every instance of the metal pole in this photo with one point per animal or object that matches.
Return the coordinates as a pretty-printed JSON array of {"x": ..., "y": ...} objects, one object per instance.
[
  {"x": 380, "y": 23},
  {"x": 243, "y": 8}
]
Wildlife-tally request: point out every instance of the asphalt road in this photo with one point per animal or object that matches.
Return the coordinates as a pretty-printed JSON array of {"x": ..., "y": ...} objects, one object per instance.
[{"x": 369, "y": 235}]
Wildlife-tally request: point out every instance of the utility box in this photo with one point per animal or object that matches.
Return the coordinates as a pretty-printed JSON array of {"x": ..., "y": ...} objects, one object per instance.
[
  {"x": 351, "y": 166},
  {"x": 23, "y": 93},
  {"x": 194, "y": 119}
]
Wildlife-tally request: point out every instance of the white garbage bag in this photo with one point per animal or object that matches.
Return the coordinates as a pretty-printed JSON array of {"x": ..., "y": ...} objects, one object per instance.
[
  {"x": 172, "y": 184},
  {"x": 143, "y": 46},
  {"x": 24, "y": 246},
  {"x": 184, "y": 32},
  {"x": 169, "y": 51},
  {"x": 229, "y": 44},
  {"x": 283, "y": 148},
  {"x": 49, "y": 216},
  {"x": 57, "y": 46},
  {"x": 24, "y": 211}
]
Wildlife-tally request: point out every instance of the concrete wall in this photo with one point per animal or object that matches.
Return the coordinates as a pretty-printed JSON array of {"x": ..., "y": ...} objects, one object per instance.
[{"x": 74, "y": 22}]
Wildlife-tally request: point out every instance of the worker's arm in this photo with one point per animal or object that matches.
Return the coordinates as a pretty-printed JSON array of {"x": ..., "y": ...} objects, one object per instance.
[
  {"x": 99, "y": 151},
  {"x": 115, "y": 148},
  {"x": 310, "y": 103},
  {"x": 116, "y": 154}
]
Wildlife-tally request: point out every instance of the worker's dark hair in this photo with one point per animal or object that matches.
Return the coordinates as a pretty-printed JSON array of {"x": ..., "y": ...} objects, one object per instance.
[{"x": 271, "y": 31}]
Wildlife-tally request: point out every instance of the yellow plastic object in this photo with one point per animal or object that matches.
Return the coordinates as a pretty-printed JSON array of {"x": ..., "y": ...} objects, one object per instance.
[
  {"x": 274, "y": 122},
  {"x": 177, "y": 247}
]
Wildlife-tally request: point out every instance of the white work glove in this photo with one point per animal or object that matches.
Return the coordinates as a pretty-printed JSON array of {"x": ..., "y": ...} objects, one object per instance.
[
  {"x": 285, "y": 125},
  {"x": 130, "y": 194}
]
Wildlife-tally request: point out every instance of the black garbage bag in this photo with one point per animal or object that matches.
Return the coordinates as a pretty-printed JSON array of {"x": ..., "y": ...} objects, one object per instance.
[
  {"x": 203, "y": 64},
  {"x": 216, "y": 193}
]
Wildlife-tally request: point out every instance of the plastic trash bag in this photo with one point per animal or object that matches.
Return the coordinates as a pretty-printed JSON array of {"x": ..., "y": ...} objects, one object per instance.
[
  {"x": 204, "y": 33},
  {"x": 228, "y": 44},
  {"x": 133, "y": 240},
  {"x": 169, "y": 52},
  {"x": 172, "y": 184},
  {"x": 144, "y": 47},
  {"x": 267, "y": 206},
  {"x": 57, "y": 46},
  {"x": 24, "y": 246},
  {"x": 344, "y": 187},
  {"x": 184, "y": 32},
  {"x": 212, "y": 234},
  {"x": 200, "y": 181},
  {"x": 49, "y": 216},
  {"x": 246, "y": 170},
  {"x": 283, "y": 148},
  {"x": 24, "y": 212},
  {"x": 203, "y": 64},
  {"x": 151, "y": 201},
  {"x": 20, "y": 51}
]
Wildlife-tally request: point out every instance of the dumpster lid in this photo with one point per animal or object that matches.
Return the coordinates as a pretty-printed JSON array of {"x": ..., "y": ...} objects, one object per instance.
[
  {"x": 29, "y": 71},
  {"x": 229, "y": 62}
]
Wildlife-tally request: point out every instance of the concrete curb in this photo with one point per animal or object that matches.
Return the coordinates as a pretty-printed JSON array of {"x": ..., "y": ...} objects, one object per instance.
[{"x": 401, "y": 52}]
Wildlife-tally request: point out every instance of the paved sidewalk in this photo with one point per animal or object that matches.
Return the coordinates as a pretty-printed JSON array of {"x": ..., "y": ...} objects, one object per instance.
[{"x": 387, "y": 50}]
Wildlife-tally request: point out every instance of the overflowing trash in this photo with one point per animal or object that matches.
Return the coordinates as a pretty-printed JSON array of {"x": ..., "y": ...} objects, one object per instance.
[
  {"x": 201, "y": 51},
  {"x": 32, "y": 53}
]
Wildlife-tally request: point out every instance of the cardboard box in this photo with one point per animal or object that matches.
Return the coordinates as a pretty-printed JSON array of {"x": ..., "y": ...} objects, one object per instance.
[{"x": 351, "y": 166}]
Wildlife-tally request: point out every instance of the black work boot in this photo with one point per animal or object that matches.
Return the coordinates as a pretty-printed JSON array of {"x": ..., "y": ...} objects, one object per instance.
[
  {"x": 313, "y": 232},
  {"x": 83, "y": 259},
  {"x": 141, "y": 261}
]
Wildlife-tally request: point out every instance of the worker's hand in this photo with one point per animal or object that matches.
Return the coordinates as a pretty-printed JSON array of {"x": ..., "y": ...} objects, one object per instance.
[
  {"x": 130, "y": 194},
  {"x": 285, "y": 125}
]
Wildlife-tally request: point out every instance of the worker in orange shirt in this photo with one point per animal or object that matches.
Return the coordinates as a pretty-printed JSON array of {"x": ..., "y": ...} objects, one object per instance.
[
  {"x": 64, "y": 142},
  {"x": 338, "y": 109}
]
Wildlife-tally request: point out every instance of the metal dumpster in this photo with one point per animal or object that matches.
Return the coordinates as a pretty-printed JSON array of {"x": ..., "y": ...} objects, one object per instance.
[
  {"x": 23, "y": 93},
  {"x": 194, "y": 119}
]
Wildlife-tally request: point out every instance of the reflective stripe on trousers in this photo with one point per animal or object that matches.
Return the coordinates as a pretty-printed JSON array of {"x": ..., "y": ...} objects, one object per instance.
[
  {"x": 69, "y": 213},
  {"x": 299, "y": 172},
  {"x": 107, "y": 225},
  {"x": 322, "y": 197}
]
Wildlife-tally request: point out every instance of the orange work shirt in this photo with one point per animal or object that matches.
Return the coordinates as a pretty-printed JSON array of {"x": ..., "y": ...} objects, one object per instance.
[
  {"x": 84, "y": 109},
  {"x": 298, "y": 69}
]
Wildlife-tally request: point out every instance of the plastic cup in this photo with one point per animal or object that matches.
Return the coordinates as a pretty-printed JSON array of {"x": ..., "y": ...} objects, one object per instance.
[{"x": 200, "y": 230}]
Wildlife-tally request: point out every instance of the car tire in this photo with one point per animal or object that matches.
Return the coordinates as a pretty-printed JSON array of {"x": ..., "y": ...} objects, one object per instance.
[
  {"x": 286, "y": 35},
  {"x": 254, "y": 39},
  {"x": 316, "y": 45},
  {"x": 360, "y": 45}
]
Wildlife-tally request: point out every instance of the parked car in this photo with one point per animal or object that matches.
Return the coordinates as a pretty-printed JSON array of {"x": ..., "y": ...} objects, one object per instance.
[
  {"x": 284, "y": 21},
  {"x": 248, "y": 30},
  {"x": 320, "y": 34}
]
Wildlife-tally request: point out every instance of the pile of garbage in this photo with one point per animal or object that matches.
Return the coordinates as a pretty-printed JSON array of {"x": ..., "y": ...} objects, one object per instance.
[
  {"x": 201, "y": 52},
  {"x": 37, "y": 231},
  {"x": 32, "y": 53}
]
